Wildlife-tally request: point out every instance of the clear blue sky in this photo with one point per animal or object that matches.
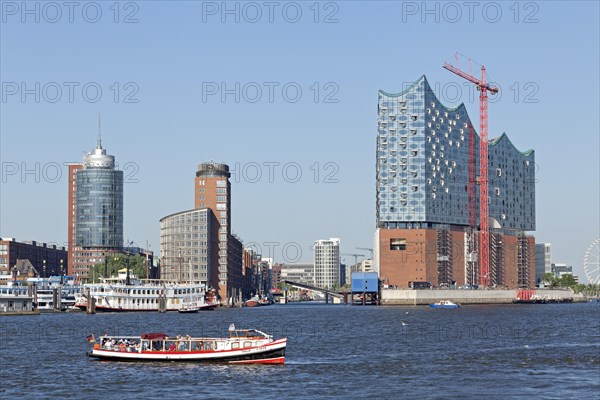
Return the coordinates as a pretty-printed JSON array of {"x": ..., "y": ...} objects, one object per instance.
[{"x": 537, "y": 51}]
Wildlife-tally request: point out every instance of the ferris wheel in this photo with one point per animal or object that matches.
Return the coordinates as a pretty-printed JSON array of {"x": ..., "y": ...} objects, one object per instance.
[{"x": 591, "y": 263}]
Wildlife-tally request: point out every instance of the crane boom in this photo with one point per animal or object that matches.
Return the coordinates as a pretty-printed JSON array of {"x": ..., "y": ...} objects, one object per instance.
[
  {"x": 471, "y": 78},
  {"x": 365, "y": 248},
  {"x": 353, "y": 255}
]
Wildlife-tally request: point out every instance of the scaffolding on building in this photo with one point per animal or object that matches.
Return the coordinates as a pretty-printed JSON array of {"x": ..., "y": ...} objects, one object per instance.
[
  {"x": 444, "y": 255},
  {"x": 523, "y": 261},
  {"x": 471, "y": 270},
  {"x": 496, "y": 259}
]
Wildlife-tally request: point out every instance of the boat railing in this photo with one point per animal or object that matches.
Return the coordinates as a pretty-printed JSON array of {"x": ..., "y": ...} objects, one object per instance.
[
  {"x": 160, "y": 343},
  {"x": 249, "y": 333}
]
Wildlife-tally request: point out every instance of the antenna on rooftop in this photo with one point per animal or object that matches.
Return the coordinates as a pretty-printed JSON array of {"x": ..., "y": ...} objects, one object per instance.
[{"x": 99, "y": 140}]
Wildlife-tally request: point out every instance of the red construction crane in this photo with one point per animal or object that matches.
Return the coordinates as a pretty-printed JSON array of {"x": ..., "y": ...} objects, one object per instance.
[{"x": 482, "y": 180}]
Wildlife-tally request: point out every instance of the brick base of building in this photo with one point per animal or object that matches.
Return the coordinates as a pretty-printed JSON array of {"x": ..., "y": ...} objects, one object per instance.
[{"x": 442, "y": 256}]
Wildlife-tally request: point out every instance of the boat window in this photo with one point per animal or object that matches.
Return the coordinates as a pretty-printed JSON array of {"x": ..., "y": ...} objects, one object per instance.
[
  {"x": 247, "y": 344},
  {"x": 183, "y": 345},
  {"x": 235, "y": 345},
  {"x": 197, "y": 346}
]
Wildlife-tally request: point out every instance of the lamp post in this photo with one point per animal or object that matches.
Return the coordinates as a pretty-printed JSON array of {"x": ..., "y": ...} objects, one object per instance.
[
  {"x": 44, "y": 268},
  {"x": 61, "y": 271},
  {"x": 127, "y": 277},
  {"x": 147, "y": 266}
]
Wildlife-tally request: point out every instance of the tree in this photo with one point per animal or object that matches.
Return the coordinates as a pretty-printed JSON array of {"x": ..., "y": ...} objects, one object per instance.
[
  {"x": 137, "y": 266},
  {"x": 549, "y": 279},
  {"x": 567, "y": 280}
]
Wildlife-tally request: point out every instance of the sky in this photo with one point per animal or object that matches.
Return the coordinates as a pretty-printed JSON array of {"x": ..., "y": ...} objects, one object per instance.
[{"x": 286, "y": 94}]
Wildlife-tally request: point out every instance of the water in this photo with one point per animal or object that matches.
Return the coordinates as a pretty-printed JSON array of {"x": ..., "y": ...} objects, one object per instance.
[{"x": 494, "y": 352}]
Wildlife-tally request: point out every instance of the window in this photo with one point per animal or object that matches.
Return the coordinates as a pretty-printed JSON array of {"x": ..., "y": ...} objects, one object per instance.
[
  {"x": 397, "y": 244},
  {"x": 221, "y": 183}
]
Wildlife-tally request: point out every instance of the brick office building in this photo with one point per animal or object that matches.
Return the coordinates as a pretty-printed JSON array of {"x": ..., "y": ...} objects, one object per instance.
[{"x": 47, "y": 259}]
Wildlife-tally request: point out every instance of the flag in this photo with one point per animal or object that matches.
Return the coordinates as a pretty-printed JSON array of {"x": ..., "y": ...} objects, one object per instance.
[
  {"x": 91, "y": 338},
  {"x": 232, "y": 327}
]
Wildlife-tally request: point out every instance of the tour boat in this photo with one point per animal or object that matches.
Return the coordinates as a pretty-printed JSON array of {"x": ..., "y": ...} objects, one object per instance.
[
  {"x": 444, "y": 304},
  {"x": 243, "y": 346},
  {"x": 132, "y": 294}
]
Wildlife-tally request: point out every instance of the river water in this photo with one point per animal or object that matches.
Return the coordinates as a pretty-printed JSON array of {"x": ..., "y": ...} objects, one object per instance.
[{"x": 494, "y": 352}]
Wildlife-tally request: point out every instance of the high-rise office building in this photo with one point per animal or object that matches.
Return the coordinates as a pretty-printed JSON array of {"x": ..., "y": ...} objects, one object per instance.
[
  {"x": 72, "y": 218},
  {"x": 212, "y": 189},
  {"x": 99, "y": 202},
  {"x": 95, "y": 216},
  {"x": 189, "y": 246},
  {"x": 327, "y": 263},
  {"x": 425, "y": 186},
  {"x": 203, "y": 236}
]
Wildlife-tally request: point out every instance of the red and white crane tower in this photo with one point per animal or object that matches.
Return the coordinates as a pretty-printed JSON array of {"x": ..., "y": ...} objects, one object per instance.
[{"x": 484, "y": 230}]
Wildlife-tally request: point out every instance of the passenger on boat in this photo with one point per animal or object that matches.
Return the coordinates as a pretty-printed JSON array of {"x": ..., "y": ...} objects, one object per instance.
[{"x": 172, "y": 347}]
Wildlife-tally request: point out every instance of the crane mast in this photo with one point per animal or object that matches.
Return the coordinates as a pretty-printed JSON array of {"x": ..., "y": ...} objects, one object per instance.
[{"x": 482, "y": 179}]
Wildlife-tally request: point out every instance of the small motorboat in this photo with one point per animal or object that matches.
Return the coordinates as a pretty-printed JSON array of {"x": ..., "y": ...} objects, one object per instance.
[
  {"x": 243, "y": 346},
  {"x": 189, "y": 308},
  {"x": 257, "y": 301},
  {"x": 444, "y": 304}
]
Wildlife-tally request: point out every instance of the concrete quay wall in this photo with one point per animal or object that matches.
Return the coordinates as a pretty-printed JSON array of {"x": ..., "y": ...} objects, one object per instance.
[{"x": 423, "y": 297}]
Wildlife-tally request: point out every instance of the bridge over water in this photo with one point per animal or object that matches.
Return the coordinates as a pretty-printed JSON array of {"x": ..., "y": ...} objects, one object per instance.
[{"x": 328, "y": 293}]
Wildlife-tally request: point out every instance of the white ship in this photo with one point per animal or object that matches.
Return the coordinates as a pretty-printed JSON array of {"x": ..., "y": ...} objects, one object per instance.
[
  {"x": 55, "y": 293},
  {"x": 133, "y": 294}
]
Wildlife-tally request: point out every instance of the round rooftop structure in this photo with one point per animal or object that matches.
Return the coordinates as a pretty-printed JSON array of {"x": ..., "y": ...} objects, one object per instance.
[
  {"x": 98, "y": 158},
  {"x": 212, "y": 169}
]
